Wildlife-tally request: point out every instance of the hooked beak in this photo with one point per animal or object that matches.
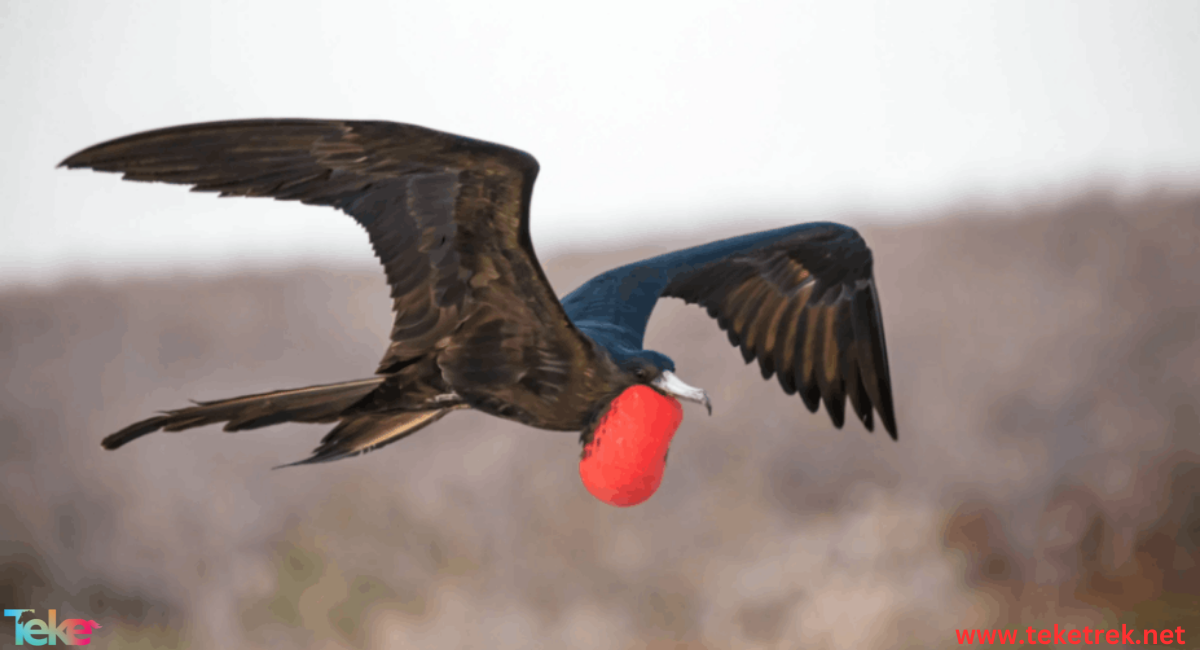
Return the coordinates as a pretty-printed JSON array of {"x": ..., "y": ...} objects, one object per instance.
[{"x": 674, "y": 386}]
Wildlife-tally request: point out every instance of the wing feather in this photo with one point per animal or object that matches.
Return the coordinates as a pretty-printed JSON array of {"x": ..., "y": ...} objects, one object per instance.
[
  {"x": 447, "y": 216},
  {"x": 804, "y": 304}
]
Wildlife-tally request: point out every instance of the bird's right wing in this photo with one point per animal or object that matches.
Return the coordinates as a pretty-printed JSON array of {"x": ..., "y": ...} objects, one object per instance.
[{"x": 447, "y": 216}]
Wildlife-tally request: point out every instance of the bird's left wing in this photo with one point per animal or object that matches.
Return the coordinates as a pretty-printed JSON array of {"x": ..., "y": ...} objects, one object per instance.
[
  {"x": 806, "y": 307},
  {"x": 800, "y": 299}
]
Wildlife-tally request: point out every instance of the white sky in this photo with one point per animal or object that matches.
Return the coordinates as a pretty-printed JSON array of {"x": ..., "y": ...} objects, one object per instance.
[{"x": 647, "y": 118}]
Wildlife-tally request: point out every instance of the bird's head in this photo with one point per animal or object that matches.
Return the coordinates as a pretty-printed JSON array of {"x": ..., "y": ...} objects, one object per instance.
[{"x": 657, "y": 370}]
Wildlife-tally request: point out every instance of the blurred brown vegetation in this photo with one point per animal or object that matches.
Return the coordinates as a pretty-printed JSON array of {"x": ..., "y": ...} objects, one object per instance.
[{"x": 1046, "y": 362}]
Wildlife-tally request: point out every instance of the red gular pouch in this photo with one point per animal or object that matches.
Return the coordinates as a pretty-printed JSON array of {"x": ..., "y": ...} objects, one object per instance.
[{"x": 623, "y": 464}]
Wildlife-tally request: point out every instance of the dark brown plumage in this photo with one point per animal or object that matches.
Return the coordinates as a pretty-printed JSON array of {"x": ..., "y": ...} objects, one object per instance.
[
  {"x": 477, "y": 324},
  {"x": 804, "y": 319}
]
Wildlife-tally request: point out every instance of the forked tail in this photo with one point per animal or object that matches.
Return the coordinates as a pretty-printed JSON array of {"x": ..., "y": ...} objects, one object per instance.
[{"x": 356, "y": 433}]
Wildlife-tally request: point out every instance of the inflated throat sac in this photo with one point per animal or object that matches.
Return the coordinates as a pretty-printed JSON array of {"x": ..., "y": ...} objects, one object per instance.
[{"x": 624, "y": 462}]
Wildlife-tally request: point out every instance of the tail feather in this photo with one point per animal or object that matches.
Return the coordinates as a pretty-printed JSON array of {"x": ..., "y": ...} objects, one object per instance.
[
  {"x": 324, "y": 403},
  {"x": 361, "y": 433}
]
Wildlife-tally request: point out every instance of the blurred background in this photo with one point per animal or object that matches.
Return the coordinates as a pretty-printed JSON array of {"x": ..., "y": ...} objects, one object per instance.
[{"x": 1028, "y": 175}]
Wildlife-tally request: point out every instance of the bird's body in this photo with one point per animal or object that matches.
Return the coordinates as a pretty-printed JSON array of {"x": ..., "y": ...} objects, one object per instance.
[{"x": 477, "y": 324}]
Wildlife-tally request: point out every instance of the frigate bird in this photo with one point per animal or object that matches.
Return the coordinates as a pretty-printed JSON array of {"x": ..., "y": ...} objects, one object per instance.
[{"x": 477, "y": 324}]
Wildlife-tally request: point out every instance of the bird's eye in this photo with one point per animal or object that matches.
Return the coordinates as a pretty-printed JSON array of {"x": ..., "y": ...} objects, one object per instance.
[{"x": 640, "y": 373}]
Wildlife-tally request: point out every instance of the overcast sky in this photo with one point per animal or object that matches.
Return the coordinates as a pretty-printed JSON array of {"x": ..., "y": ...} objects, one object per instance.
[{"x": 647, "y": 118}]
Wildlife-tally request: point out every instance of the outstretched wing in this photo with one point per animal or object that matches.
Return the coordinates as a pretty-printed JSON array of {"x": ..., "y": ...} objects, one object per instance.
[
  {"x": 447, "y": 216},
  {"x": 800, "y": 299}
]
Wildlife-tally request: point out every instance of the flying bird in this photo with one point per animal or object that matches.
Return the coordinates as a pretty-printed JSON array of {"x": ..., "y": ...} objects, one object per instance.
[{"x": 477, "y": 324}]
